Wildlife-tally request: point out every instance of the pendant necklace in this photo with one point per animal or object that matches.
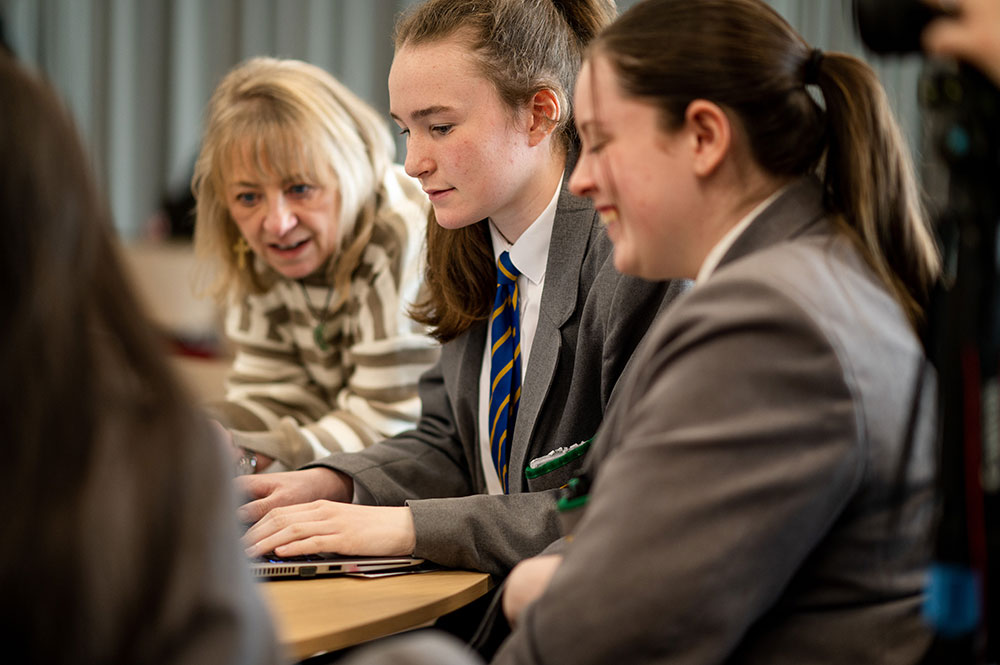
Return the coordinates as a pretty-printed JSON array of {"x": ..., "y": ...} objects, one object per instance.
[{"x": 318, "y": 331}]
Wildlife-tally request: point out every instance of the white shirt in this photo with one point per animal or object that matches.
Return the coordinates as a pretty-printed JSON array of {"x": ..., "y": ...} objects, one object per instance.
[
  {"x": 712, "y": 259},
  {"x": 529, "y": 254}
]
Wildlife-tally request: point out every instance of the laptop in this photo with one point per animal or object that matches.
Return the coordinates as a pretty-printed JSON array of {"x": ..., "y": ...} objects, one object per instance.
[{"x": 312, "y": 565}]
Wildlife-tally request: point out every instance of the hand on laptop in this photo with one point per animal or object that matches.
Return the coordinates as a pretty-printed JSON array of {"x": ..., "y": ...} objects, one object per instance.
[
  {"x": 332, "y": 526},
  {"x": 265, "y": 492}
]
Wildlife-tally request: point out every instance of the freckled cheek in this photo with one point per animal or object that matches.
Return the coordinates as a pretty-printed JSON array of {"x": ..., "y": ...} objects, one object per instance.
[
  {"x": 501, "y": 152},
  {"x": 465, "y": 168}
]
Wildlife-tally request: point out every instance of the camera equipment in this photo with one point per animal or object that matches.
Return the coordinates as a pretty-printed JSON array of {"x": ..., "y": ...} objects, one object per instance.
[
  {"x": 892, "y": 26},
  {"x": 962, "y": 339}
]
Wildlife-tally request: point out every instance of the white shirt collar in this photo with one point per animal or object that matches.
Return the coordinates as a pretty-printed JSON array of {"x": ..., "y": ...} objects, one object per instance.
[
  {"x": 713, "y": 258},
  {"x": 530, "y": 251}
]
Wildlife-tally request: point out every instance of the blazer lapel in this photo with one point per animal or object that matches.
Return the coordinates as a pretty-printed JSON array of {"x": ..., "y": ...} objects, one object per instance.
[
  {"x": 570, "y": 237},
  {"x": 466, "y": 399}
]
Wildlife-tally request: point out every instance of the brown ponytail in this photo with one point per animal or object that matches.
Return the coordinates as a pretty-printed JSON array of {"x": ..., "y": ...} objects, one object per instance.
[
  {"x": 523, "y": 46},
  {"x": 743, "y": 56},
  {"x": 869, "y": 180}
]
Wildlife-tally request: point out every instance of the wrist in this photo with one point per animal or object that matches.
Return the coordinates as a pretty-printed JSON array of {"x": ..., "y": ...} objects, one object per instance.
[
  {"x": 407, "y": 531},
  {"x": 347, "y": 485},
  {"x": 332, "y": 484}
]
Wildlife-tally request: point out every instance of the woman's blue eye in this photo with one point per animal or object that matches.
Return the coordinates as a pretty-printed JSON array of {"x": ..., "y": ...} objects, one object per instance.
[
  {"x": 246, "y": 198},
  {"x": 441, "y": 129},
  {"x": 300, "y": 189}
]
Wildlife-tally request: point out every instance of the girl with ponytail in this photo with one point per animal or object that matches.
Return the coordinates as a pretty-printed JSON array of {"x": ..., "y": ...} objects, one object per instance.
[{"x": 763, "y": 485}]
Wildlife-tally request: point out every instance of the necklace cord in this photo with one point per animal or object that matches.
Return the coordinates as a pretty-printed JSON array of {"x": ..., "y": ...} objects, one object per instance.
[{"x": 320, "y": 328}]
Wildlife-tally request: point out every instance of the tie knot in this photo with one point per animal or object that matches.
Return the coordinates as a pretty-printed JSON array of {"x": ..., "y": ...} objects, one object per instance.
[{"x": 506, "y": 272}]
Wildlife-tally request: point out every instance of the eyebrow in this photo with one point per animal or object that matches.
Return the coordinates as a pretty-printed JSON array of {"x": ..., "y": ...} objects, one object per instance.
[
  {"x": 424, "y": 112},
  {"x": 294, "y": 178},
  {"x": 590, "y": 126}
]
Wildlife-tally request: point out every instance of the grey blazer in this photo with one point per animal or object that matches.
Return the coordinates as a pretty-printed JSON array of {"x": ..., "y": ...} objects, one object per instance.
[
  {"x": 591, "y": 319},
  {"x": 741, "y": 509}
]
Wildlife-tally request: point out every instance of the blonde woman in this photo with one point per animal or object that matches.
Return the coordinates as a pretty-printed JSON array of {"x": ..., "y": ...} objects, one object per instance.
[{"x": 315, "y": 235}]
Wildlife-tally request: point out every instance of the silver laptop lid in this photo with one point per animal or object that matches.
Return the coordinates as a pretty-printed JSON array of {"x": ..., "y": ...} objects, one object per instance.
[{"x": 275, "y": 567}]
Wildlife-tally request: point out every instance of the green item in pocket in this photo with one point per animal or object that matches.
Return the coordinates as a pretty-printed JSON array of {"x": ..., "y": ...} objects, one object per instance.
[{"x": 557, "y": 458}]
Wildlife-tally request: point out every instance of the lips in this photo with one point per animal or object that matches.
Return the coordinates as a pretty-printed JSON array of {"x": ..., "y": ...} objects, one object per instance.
[
  {"x": 437, "y": 194},
  {"x": 287, "y": 247}
]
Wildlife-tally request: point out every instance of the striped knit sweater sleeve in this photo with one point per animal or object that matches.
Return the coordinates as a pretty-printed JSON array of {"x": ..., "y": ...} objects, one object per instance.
[{"x": 291, "y": 399}]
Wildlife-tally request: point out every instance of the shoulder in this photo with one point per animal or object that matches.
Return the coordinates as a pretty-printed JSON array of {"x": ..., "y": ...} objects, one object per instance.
[
  {"x": 278, "y": 292},
  {"x": 820, "y": 276},
  {"x": 256, "y": 316},
  {"x": 804, "y": 304},
  {"x": 819, "y": 279}
]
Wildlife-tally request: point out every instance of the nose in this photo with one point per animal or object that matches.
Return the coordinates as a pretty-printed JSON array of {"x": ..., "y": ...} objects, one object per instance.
[
  {"x": 417, "y": 163},
  {"x": 279, "y": 218},
  {"x": 581, "y": 181}
]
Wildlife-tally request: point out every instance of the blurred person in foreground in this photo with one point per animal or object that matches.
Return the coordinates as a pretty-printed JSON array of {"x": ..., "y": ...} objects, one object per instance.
[{"x": 119, "y": 543}]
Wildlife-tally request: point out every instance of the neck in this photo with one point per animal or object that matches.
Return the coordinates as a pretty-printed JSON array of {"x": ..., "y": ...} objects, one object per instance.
[
  {"x": 536, "y": 193},
  {"x": 729, "y": 205}
]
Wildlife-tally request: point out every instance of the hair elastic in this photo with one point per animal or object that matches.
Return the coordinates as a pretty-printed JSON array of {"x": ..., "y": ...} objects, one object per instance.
[{"x": 811, "y": 69}]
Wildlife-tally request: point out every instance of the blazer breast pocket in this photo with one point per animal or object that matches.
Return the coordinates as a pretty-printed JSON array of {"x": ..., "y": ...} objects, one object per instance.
[{"x": 554, "y": 469}]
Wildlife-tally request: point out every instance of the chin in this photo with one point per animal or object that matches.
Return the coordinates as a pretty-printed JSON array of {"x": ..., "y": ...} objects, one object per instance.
[
  {"x": 625, "y": 263},
  {"x": 629, "y": 265},
  {"x": 295, "y": 271},
  {"x": 451, "y": 221}
]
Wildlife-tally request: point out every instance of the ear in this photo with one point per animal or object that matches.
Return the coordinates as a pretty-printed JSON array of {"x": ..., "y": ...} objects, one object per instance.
[
  {"x": 711, "y": 134},
  {"x": 545, "y": 113}
]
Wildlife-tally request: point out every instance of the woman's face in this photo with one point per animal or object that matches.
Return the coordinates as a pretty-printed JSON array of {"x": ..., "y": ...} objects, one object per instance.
[
  {"x": 462, "y": 142},
  {"x": 291, "y": 224},
  {"x": 639, "y": 177}
]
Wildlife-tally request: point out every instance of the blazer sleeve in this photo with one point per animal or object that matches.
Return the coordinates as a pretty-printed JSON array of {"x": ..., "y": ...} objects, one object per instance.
[
  {"x": 734, "y": 446},
  {"x": 493, "y": 533},
  {"x": 429, "y": 460},
  {"x": 435, "y": 469}
]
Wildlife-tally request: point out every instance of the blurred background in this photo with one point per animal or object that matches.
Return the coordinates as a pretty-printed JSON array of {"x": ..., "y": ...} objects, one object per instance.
[{"x": 138, "y": 73}]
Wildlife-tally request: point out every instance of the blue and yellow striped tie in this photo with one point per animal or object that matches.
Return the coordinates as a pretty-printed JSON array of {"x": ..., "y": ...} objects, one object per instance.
[{"x": 505, "y": 365}]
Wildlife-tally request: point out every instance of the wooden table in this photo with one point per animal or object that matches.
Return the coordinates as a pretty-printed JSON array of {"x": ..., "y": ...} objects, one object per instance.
[{"x": 326, "y": 614}]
